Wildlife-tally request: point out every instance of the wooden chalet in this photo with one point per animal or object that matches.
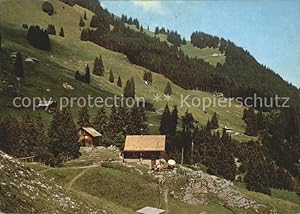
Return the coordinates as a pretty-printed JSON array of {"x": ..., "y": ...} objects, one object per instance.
[
  {"x": 144, "y": 146},
  {"x": 88, "y": 136}
]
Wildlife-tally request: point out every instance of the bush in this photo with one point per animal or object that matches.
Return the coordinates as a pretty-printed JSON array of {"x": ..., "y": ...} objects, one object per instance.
[
  {"x": 25, "y": 26},
  {"x": 51, "y": 29},
  {"x": 48, "y": 8},
  {"x": 38, "y": 38}
]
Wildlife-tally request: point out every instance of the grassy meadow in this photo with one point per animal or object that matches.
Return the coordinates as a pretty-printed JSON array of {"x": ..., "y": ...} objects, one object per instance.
[{"x": 69, "y": 54}]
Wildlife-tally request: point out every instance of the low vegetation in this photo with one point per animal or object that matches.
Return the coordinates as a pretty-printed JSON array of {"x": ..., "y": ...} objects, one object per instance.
[{"x": 261, "y": 149}]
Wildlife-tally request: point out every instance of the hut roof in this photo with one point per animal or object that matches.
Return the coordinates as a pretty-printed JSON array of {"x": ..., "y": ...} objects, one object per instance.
[
  {"x": 145, "y": 143},
  {"x": 91, "y": 131},
  {"x": 150, "y": 210}
]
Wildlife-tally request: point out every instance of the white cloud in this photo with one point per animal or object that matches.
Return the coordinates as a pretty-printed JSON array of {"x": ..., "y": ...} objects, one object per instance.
[{"x": 148, "y": 5}]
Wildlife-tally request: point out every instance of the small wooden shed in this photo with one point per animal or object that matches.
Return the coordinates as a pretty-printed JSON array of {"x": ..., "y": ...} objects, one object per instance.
[
  {"x": 144, "y": 146},
  {"x": 88, "y": 136}
]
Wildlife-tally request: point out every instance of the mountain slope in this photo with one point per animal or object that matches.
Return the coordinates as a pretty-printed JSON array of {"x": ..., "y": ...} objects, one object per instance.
[
  {"x": 184, "y": 190},
  {"x": 70, "y": 54},
  {"x": 25, "y": 191}
]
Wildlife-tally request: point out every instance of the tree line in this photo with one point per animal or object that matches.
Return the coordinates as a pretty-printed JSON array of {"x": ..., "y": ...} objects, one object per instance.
[
  {"x": 262, "y": 165},
  {"x": 59, "y": 143},
  {"x": 115, "y": 126},
  {"x": 203, "y": 40},
  {"x": 29, "y": 137},
  {"x": 39, "y": 38},
  {"x": 240, "y": 76}
]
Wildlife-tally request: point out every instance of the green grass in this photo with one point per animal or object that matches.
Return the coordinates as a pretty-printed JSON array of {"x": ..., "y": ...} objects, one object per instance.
[
  {"x": 62, "y": 176},
  {"x": 210, "y": 55},
  {"x": 285, "y": 202},
  {"x": 177, "y": 207},
  {"x": 128, "y": 189},
  {"x": 70, "y": 54},
  {"x": 116, "y": 187},
  {"x": 36, "y": 166},
  {"x": 94, "y": 157}
]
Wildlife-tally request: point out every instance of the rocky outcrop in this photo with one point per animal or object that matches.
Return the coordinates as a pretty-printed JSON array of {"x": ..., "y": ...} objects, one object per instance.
[{"x": 200, "y": 183}]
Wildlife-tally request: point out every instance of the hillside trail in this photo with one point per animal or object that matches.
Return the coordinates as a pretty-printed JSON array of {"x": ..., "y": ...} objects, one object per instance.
[
  {"x": 166, "y": 192},
  {"x": 44, "y": 170},
  {"x": 79, "y": 167},
  {"x": 70, "y": 184}
]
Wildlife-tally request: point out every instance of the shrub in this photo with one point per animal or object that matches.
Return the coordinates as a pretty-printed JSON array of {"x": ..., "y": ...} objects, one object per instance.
[
  {"x": 25, "y": 26},
  {"x": 48, "y": 8},
  {"x": 51, "y": 29}
]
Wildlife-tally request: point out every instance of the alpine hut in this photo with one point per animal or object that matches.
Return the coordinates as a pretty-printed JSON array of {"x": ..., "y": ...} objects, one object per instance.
[
  {"x": 88, "y": 136},
  {"x": 144, "y": 147}
]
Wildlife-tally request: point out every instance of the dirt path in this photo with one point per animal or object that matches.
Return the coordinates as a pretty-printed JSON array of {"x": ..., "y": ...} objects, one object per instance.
[
  {"x": 165, "y": 195},
  {"x": 70, "y": 184},
  {"x": 44, "y": 170}
]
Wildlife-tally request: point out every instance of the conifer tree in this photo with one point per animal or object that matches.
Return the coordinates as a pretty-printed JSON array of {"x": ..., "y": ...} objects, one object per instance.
[
  {"x": 27, "y": 139},
  {"x": 225, "y": 165},
  {"x": 251, "y": 121},
  {"x": 77, "y": 76},
  {"x": 187, "y": 122},
  {"x": 84, "y": 36},
  {"x": 150, "y": 80},
  {"x": 98, "y": 67},
  {"x": 119, "y": 82},
  {"x": 87, "y": 75},
  {"x": 62, "y": 33},
  {"x": 83, "y": 117},
  {"x": 145, "y": 77},
  {"x": 43, "y": 151},
  {"x": 245, "y": 114},
  {"x": 84, "y": 16},
  {"x": 137, "y": 122},
  {"x": 256, "y": 178},
  {"x": 118, "y": 125},
  {"x": 19, "y": 69},
  {"x": 10, "y": 134},
  {"x": 38, "y": 38},
  {"x": 225, "y": 137},
  {"x": 165, "y": 121},
  {"x": 51, "y": 29},
  {"x": 33, "y": 140},
  {"x": 63, "y": 137},
  {"x": 214, "y": 124},
  {"x": 173, "y": 121},
  {"x": 81, "y": 22},
  {"x": 168, "y": 89},
  {"x": 129, "y": 89},
  {"x": 260, "y": 121},
  {"x": 187, "y": 126},
  {"x": 111, "y": 77},
  {"x": 101, "y": 121},
  {"x": 132, "y": 89},
  {"x": 148, "y": 77},
  {"x": 208, "y": 126}
]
